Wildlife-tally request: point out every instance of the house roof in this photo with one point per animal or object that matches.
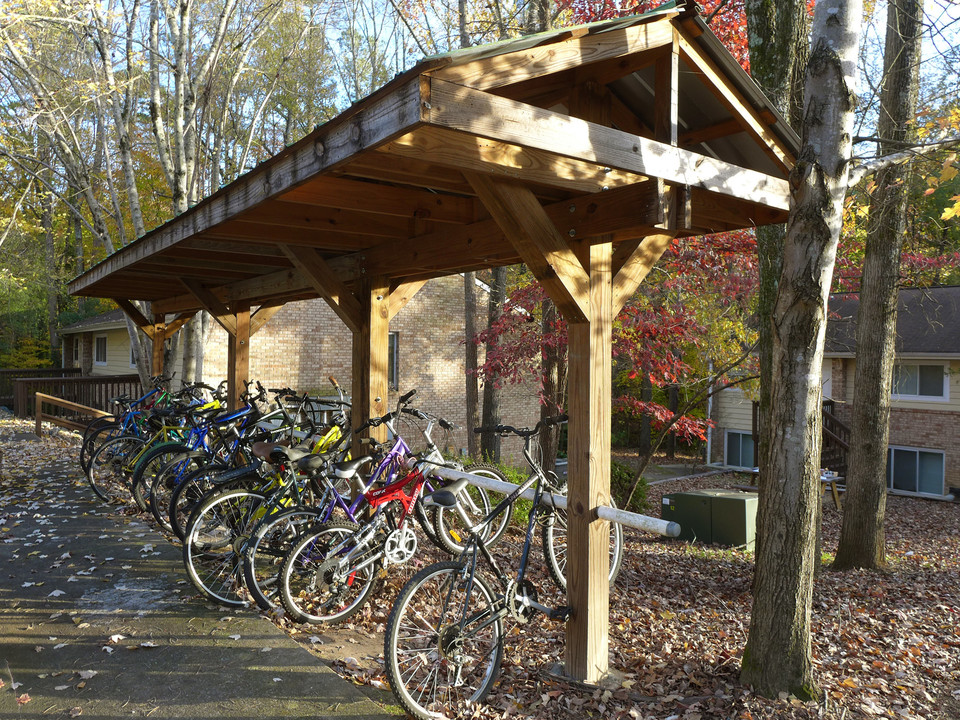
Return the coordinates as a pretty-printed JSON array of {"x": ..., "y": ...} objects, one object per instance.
[
  {"x": 387, "y": 188},
  {"x": 104, "y": 321},
  {"x": 928, "y": 322}
]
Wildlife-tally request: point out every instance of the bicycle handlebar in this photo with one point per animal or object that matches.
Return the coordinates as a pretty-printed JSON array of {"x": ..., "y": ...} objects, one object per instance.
[{"x": 523, "y": 432}]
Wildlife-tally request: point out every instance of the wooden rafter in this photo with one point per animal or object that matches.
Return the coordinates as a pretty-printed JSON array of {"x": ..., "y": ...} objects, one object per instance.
[
  {"x": 742, "y": 110},
  {"x": 262, "y": 316}
]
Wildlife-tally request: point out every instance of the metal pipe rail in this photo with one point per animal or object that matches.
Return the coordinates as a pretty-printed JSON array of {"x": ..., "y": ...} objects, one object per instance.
[{"x": 604, "y": 512}]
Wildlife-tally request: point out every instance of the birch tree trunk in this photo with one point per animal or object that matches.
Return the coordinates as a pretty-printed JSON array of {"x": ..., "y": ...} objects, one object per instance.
[
  {"x": 862, "y": 540},
  {"x": 777, "y": 657}
]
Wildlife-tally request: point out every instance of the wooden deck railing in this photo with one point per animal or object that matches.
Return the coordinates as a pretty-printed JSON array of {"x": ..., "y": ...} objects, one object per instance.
[
  {"x": 94, "y": 392},
  {"x": 9, "y": 375},
  {"x": 67, "y": 414}
]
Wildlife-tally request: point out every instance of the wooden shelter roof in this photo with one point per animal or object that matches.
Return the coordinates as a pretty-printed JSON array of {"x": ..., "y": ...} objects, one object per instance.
[{"x": 384, "y": 189}]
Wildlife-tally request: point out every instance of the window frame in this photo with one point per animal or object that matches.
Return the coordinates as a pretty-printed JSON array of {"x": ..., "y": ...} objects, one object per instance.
[
  {"x": 916, "y": 451},
  {"x": 944, "y": 389},
  {"x": 133, "y": 356},
  {"x": 76, "y": 351},
  {"x": 96, "y": 344},
  {"x": 726, "y": 447}
]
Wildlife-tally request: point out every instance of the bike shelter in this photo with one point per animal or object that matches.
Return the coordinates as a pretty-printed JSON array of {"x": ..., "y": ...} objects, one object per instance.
[{"x": 582, "y": 152}]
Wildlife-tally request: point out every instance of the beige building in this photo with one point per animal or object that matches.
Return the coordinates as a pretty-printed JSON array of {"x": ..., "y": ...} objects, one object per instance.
[{"x": 923, "y": 457}]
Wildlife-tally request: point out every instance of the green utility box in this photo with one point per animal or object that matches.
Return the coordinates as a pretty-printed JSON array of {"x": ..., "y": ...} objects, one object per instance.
[{"x": 725, "y": 517}]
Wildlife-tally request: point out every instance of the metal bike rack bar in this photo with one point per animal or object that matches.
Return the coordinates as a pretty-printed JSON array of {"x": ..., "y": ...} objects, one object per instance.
[{"x": 604, "y": 512}]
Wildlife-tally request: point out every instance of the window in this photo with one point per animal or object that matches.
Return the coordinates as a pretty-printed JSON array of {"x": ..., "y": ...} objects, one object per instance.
[
  {"x": 915, "y": 471},
  {"x": 100, "y": 350},
  {"x": 913, "y": 380},
  {"x": 133, "y": 356},
  {"x": 393, "y": 363},
  {"x": 739, "y": 449},
  {"x": 76, "y": 352}
]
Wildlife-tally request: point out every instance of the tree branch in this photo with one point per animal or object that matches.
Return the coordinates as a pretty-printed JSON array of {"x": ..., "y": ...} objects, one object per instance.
[{"x": 869, "y": 167}]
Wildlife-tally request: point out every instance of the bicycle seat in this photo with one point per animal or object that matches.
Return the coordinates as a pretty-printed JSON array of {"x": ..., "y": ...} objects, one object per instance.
[
  {"x": 348, "y": 468},
  {"x": 313, "y": 462},
  {"x": 445, "y": 497}
]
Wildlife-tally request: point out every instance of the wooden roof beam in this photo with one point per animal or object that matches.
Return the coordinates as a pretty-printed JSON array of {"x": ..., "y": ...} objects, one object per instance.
[
  {"x": 490, "y": 116},
  {"x": 378, "y": 198}
]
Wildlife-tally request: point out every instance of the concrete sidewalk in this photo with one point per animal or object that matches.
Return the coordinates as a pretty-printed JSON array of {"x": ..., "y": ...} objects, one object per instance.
[{"x": 97, "y": 619}]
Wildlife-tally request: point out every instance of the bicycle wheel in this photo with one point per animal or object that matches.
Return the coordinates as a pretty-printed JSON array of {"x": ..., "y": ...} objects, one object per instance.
[
  {"x": 150, "y": 464},
  {"x": 95, "y": 439},
  {"x": 188, "y": 494},
  {"x": 314, "y": 588},
  {"x": 166, "y": 481},
  {"x": 214, "y": 543},
  {"x": 267, "y": 549},
  {"x": 442, "y": 647},
  {"x": 554, "y": 537},
  {"x": 477, "y": 504},
  {"x": 109, "y": 471}
]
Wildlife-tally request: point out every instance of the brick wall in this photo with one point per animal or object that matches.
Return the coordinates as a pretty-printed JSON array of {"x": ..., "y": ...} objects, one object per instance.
[{"x": 305, "y": 342}]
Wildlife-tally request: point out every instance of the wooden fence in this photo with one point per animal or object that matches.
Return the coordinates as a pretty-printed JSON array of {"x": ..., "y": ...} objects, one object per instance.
[
  {"x": 9, "y": 376},
  {"x": 65, "y": 414},
  {"x": 94, "y": 392}
]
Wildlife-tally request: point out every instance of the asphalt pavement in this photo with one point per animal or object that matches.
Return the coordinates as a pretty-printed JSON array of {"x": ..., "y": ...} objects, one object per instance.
[{"x": 98, "y": 620}]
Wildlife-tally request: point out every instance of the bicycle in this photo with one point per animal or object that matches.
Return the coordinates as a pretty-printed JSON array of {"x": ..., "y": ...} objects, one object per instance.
[
  {"x": 329, "y": 573},
  {"x": 444, "y": 639}
]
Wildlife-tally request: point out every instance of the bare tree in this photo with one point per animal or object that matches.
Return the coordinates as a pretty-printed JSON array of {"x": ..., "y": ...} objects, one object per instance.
[{"x": 862, "y": 543}]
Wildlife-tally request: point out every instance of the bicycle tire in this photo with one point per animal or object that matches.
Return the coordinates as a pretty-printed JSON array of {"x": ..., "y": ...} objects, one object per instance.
[
  {"x": 435, "y": 668},
  {"x": 267, "y": 549},
  {"x": 553, "y": 535},
  {"x": 150, "y": 464},
  {"x": 108, "y": 473},
  {"x": 92, "y": 442},
  {"x": 213, "y": 544},
  {"x": 448, "y": 525},
  {"x": 311, "y": 598},
  {"x": 167, "y": 480},
  {"x": 190, "y": 493}
]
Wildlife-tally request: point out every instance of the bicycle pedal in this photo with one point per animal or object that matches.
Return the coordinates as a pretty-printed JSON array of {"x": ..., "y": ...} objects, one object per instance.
[{"x": 561, "y": 614}]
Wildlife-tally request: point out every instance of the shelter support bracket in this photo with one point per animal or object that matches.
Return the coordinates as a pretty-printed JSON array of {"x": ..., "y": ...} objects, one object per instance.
[
  {"x": 326, "y": 282},
  {"x": 536, "y": 239}
]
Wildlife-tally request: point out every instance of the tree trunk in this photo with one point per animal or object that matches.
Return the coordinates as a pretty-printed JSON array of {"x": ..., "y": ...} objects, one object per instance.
[
  {"x": 862, "y": 543},
  {"x": 777, "y": 68},
  {"x": 673, "y": 402},
  {"x": 46, "y": 221},
  {"x": 777, "y": 657},
  {"x": 490, "y": 441},
  {"x": 551, "y": 386},
  {"x": 470, "y": 361},
  {"x": 646, "y": 437}
]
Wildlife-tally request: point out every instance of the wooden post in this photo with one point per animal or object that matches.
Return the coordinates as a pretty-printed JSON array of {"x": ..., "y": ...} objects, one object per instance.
[
  {"x": 588, "y": 484},
  {"x": 371, "y": 347},
  {"x": 238, "y": 357},
  {"x": 159, "y": 333}
]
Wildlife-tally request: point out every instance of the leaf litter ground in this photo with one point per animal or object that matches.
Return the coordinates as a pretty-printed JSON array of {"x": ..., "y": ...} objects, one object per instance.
[{"x": 884, "y": 644}]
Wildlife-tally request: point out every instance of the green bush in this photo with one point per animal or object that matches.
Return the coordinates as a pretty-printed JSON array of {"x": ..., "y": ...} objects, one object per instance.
[{"x": 621, "y": 477}]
